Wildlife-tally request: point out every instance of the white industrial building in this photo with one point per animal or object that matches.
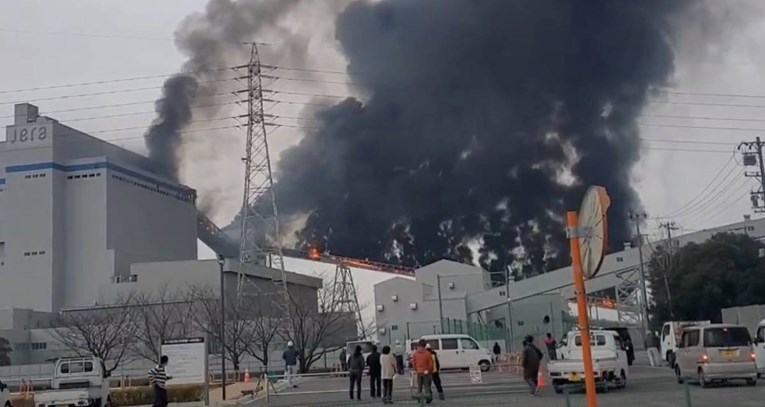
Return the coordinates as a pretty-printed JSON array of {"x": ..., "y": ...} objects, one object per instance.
[
  {"x": 76, "y": 212},
  {"x": 84, "y": 223},
  {"x": 407, "y": 308}
]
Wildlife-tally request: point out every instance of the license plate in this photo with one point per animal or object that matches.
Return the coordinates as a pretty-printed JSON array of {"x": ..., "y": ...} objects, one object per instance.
[
  {"x": 729, "y": 353},
  {"x": 573, "y": 377}
]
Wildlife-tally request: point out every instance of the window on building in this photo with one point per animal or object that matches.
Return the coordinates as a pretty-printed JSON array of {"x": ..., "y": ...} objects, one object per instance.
[{"x": 394, "y": 327}]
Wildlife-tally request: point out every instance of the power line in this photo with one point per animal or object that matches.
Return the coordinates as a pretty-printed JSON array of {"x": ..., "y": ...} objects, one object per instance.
[
  {"x": 703, "y": 209},
  {"x": 709, "y": 184},
  {"x": 724, "y": 203},
  {"x": 110, "y": 92},
  {"x": 108, "y": 81},
  {"x": 683, "y": 126},
  {"x": 669, "y": 116}
]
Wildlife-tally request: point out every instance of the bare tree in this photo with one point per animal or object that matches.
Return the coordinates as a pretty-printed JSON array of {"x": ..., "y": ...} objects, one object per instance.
[
  {"x": 159, "y": 316},
  {"x": 238, "y": 328},
  {"x": 318, "y": 325},
  {"x": 104, "y": 332},
  {"x": 265, "y": 327}
]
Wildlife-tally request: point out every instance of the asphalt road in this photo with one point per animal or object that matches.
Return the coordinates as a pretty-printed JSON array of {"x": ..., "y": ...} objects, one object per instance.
[{"x": 647, "y": 387}]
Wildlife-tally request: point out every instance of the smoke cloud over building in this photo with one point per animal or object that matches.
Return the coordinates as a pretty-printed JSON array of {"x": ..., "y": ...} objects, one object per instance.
[
  {"x": 481, "y": 122},
  {"x": 486, "y": 120}
]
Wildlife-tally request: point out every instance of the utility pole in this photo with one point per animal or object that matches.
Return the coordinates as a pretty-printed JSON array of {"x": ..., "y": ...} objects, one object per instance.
[
  {"x": 752, "y": 157},
  {"x": 440, "y": 303},
  {"x": 510, "y": 345},
  {"x": 669, "y": 226},
  {"x": 638, "y": 217}
]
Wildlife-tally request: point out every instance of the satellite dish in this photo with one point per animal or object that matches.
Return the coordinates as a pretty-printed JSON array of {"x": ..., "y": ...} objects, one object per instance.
[{"x": 593, "y": 229}]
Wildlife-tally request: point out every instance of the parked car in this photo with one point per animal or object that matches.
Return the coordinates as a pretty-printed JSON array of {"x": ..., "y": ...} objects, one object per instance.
[
  {"x": 671, "y": 333},
  {"x": 716, "y": 352},
  {"x": 458, "y": 351},
  {"x": 78, "y": 382},
  {"x": 609, "y": 361}
]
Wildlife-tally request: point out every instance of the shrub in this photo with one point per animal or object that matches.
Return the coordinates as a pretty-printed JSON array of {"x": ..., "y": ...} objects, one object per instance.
[{"x": 137, "y": 396}]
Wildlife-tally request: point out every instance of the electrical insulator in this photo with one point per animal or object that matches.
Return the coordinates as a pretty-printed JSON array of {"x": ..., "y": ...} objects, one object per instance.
[{"x": 750, "y": 159}]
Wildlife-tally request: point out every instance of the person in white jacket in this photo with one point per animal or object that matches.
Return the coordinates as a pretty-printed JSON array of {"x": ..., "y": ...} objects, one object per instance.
[{"x": 389, "y": 369}]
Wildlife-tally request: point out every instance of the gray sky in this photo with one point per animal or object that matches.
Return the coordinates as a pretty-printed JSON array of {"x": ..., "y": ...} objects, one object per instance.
[{"x": 52, "y": 42}]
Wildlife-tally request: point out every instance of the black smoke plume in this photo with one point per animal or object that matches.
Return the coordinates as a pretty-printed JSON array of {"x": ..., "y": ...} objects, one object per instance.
[
  {"x": 214, "y": 41},
  {"x": 173, "y": 114},
  {"x": 485, "y": 121}
]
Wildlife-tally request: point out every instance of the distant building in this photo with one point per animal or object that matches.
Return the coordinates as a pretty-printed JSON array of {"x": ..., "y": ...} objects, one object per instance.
[
  {"x": 406, "y": 308},
  {"x": 76, "y": 212}
]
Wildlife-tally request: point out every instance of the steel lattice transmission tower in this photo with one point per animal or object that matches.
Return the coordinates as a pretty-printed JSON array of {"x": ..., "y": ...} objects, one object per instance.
[
  {"x": 260, "y": 217},
  {"x": 344, "y": 297}
]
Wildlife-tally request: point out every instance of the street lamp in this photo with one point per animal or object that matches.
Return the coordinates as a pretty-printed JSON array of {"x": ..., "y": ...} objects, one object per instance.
[{"x": 221, "y": 263}]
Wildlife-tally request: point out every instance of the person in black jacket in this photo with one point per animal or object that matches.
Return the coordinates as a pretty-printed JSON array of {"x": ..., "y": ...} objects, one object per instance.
[
  {"x": 356, "y": 369},
  {"x": 375, "y": 373}
]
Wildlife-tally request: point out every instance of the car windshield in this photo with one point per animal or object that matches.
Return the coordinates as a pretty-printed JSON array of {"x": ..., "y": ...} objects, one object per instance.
[{"x": 725, "y": 337}]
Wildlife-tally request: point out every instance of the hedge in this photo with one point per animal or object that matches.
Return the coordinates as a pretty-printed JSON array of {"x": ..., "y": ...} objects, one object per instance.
[{"x": 138, "y": 396}]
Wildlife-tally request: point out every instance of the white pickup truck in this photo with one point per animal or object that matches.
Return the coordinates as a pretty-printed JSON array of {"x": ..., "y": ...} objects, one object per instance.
[
  {"x": 609, "y": 362},
  {"x": 5, "y": 395},
  {"x": 77, "y": 382}
]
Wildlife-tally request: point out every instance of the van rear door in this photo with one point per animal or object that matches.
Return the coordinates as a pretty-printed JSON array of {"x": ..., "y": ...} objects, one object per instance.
[{"x": 728, "y": 344}]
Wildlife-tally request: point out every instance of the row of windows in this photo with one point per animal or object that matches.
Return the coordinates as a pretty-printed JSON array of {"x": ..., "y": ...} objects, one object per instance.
[
  {"x": 33, "y": 346},
  {"x": 30, "y": 176},
  {"x": 79, "y": 176},
  {"x": 185, "y": 197},
  {"x": 39, "y": 253}
]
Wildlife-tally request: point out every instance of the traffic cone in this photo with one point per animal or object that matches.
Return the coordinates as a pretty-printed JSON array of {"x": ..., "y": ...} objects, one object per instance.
[
  {"x": 541, "y": 380},
  {"x": 246, "y": 375}
]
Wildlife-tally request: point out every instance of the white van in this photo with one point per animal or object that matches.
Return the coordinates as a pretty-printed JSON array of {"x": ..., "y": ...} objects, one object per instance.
[
  {"x": 759, "y": 348},
  {"x": 459, "y": 351}
]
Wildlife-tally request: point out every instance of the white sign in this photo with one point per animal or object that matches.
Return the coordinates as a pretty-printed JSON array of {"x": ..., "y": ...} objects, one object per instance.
[
  {"x": 187, "y": 360},
  {"x": 475, "y": 375}
]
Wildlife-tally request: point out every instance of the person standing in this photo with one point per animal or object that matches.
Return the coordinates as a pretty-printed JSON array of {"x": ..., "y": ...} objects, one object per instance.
[
  {"x": 550, "y": 344},
  {"x": 356, "y": 369},
  {"x": 158, "y": 379},
  {"x": 399, "y": 354},
  {"x": 422, "y": 364},
  {"x": 436, "y": 374},
  {"x": 652, "y": 345},
  {"x": 375, "y": 373},
  {"x": 532, "y": 358},
  {"x": 630, "y": 350},
  {"x": 389, "y": 367},
  {"x": 290, "y": 357},
  {"x": 343, "y": 360},
  {"x": 497, "y": 351}
]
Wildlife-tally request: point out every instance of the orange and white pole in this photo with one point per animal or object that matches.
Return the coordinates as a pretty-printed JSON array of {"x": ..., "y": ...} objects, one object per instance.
[{"x": 572, "y": 223}]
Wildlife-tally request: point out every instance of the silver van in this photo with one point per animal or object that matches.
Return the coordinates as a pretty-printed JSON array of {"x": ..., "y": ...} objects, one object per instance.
[{"x": 717, "y": 352}]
